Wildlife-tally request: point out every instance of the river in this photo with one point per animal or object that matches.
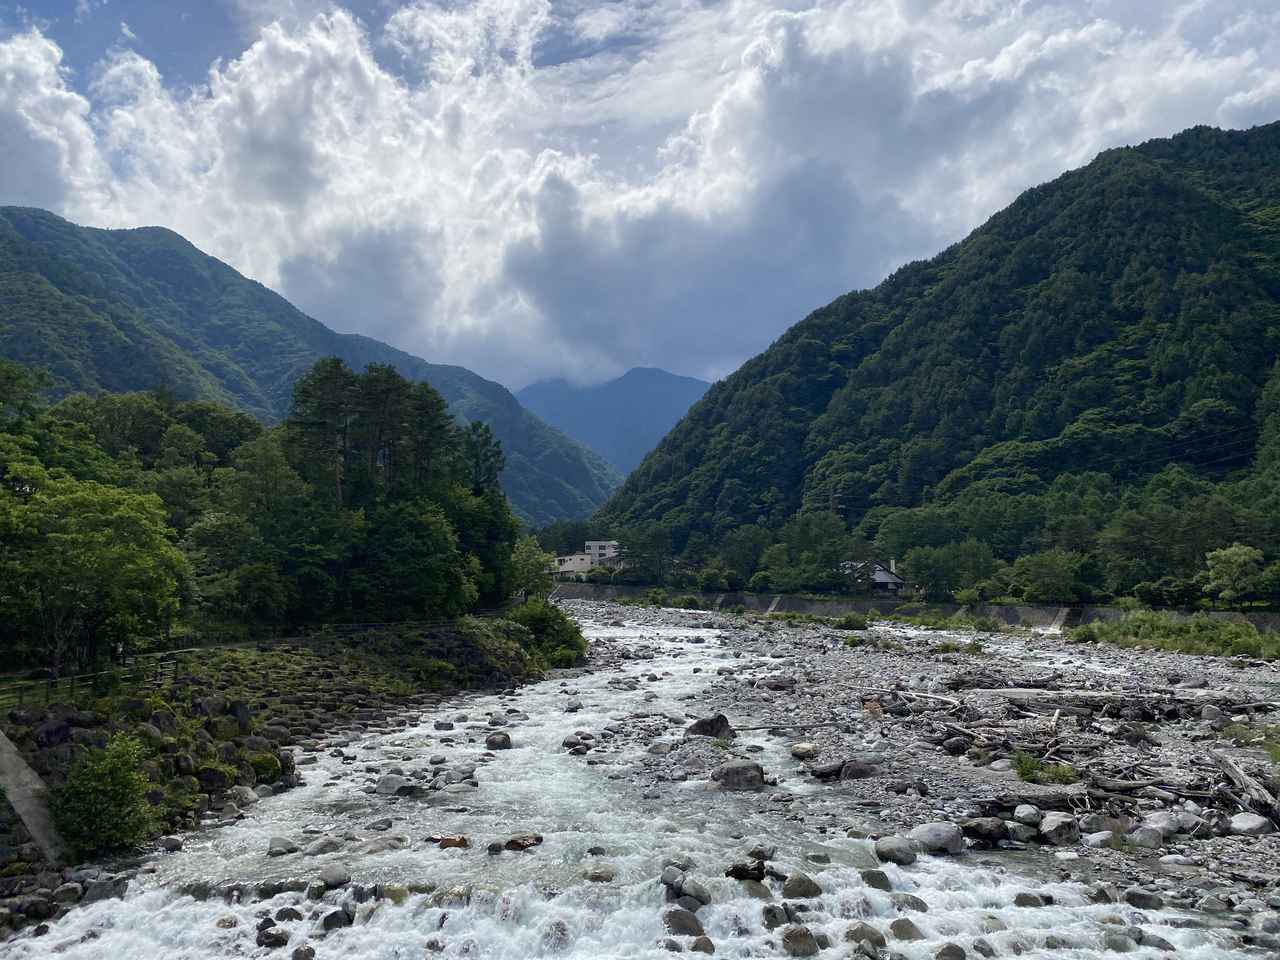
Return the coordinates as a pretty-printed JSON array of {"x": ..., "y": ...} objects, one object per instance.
[{"x": 593, "y": 816}]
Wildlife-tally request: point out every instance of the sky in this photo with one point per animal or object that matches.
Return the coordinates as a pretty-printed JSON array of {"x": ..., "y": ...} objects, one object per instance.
[{"x": 538, "y": 188}]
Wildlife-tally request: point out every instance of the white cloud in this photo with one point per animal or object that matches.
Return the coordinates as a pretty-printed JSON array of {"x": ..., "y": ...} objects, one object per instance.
[{"x": 557, "y": 186}]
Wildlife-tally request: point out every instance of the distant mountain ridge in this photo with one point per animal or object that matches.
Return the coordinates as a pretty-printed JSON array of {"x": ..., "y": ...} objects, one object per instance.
[
  {"x": 118, "y": 310},
  {"x": 622, "y": 419}
]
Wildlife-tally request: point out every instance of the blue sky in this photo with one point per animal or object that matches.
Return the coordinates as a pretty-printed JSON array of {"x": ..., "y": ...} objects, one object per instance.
[{"x": 535, "y": 188}]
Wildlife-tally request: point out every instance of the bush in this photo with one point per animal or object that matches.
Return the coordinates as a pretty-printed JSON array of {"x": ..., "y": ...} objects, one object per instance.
[
  {"x": 1032, "y": 770},
  {"x": 687, "y": 602},
  {"x": 103, "y": 805},
  {"x": 1195, "y": 634},
  {"x": 556, "y": 640},
  {"x": 266, "y": 766},
  {"x": 851, "y": 621}
]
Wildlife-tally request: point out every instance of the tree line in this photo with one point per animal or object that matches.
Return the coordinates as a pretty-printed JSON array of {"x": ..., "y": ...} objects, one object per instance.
[{"x": 128, "y": 520}]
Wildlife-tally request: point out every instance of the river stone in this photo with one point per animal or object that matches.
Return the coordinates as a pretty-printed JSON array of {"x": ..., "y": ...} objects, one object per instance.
[
  {"x": 498, "y": 741},
  {"x": 1119, "y": 943},
  {"x": 602, "y": 874},
  {"x": 279, "y": 846},
  {"x": 1028, "y": 813},
  {"x": 938, "y": 837},
  {"x": 671, "y": 877},
  {"x": 1149, "y": 838},
  {"x": 304, "y": 952},
  {"x": 798, "y": 941},
  {"x": 391, "y": 784},
  {"x": 334, "y": 875},
  {"x": 756, "y": 890},
  {"x": 522, "y": 842},
  {"x": 746, "y": 871},
  {"x": 1059, "y": 828},
  {"x": 904, "y": 929},
  {"x": 739, "y": 775},
  {"x": 322, "y": 846},
  {"x": 950, "y": 951},
  {"x": 804, "y": 751},
  {"x": 335, "y": 919},
  {"x": 865, "y": 933},
  {"x": 908, "y": 902},
  {"x": 989, "y": 830},
  {"x": 1103, "y": 838},
  {"x": 877, "y": 880},
  {"x": 1143, "y": 899},
  {"x": 272, "y": 939},
  {"x": 1251, "y": 825},
  {"x": 717, "y": 727},
  {"x": 682, "y": 923},
  {"x": 288, "y": 915},
  {"x": 69, "y": 892},
  {"x": 692, "y": 888},
  {"x": 800, "y": 886},
  {"x": 895, "y": 850},
  {"x": 111, "y": 888},
  {"x": 702, "y": 945},
  {"x": 773, "y": 916}
]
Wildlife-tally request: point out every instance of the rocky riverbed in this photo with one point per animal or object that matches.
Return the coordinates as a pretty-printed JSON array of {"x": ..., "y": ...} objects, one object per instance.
[{"x": 832, "y": 799}]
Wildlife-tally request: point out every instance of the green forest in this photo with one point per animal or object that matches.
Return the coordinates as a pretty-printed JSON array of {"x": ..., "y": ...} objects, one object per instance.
[
  {"x": 1079, "y": 401},
  {"x": 128, "y": 310},
  {"x": 134, "y": 520}
]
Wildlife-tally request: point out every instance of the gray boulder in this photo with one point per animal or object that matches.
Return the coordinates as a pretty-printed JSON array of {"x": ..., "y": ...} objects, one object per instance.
[
  {"x": 938, "y": 837},
  {"x": 739, "y": 775},
  {"x": 895, "y": 850},
  {"x": 1059, "y": 829}
]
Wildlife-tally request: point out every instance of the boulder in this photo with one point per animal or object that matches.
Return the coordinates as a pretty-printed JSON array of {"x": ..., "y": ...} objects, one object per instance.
[
  {"x": 1028, "y": 814},
  {"x": 1143, "y": 899},
  {"x": 895, "y": 850},
  {"x": 334, "y": 875},
  {"x": 1059, "y": 829},
  {"x": 682, "y": 923},
  {"x": 988, "y": 830},
  {"x": 804, "y": 751},
  {"x": 498, "y": 741},
  {"x": 865, "y": 933},
  {"x": 800, "y": 886},
  {"x": 937, "y": 837},
  {"x": 280, "y": 846},
  {"x": 799, "y": 941},
  {"x": 904, "y": 929},
  {"x": 739, "y": 775},
  {"x": 717, "y": 727},
  {"x": 1251, "y": 825},
  {"x": 390, "y": 784}
]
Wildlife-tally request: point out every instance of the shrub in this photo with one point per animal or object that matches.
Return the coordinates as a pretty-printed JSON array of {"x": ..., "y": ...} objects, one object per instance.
[
  {"x": 1195, "y": 634},
  {"x": 556, "y": 640},
  {"x": 266, "y": 766},
  {"x": 1031, "y": 770},
  {"x": 687, "y": 602},
  {"x": 103, "y": 805},
  {"x": 851, "y": 621}
]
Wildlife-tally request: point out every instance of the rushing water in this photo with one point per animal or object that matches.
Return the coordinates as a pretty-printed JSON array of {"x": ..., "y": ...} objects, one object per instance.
[{"x": 540, "y": 903}]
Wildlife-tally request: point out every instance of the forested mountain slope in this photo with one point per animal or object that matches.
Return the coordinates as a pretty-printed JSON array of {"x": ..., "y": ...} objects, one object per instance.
[
  {"x": 622, "y": 419},
  {"x": 1122, "y": 318},
  {"x": 120, "y": 310}
]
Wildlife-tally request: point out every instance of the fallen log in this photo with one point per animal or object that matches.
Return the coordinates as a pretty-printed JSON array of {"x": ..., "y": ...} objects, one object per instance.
[{"x": 1254, "y": 795}]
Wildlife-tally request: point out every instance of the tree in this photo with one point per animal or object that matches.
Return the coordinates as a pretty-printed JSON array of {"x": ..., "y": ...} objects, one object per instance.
[
  {"x": 482, "y": 455},
  {"x": 1234, "y": 573},
  {"x": 531, "y": 569},
  {"x": 88, "y": 571},
  {"x": 1051, "y": 576}
]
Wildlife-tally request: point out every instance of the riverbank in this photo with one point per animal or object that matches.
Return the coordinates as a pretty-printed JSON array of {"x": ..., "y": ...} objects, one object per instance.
[{"x": 579, "y": 817}]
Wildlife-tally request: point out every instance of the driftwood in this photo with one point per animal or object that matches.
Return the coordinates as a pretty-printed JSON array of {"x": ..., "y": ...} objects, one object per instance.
[{"x": 1253, "y": 795}]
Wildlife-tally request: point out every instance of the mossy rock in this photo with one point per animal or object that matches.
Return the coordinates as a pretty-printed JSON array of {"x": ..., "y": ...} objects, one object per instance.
[
  {"x": 16, "y": 869},
  {"x": 223, "y": 728}
]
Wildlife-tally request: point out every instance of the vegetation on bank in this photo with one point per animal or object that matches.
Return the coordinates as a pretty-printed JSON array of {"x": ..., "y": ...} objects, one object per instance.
[
  {"x": 1200, "y": 634},
  {"x": 1080, "y": 401}
]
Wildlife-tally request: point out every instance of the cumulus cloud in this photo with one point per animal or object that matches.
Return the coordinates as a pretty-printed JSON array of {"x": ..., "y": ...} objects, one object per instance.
[{"x": 543, "y": 187}]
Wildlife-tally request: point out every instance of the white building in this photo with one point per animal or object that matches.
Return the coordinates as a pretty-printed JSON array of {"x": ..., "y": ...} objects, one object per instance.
[
  {"x": 601, "y": 549},
  {"x": 595, "y": 553}
]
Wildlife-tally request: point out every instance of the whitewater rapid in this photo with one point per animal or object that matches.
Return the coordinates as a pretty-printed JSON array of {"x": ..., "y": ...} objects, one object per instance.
[{"x": 519, "y": 906}]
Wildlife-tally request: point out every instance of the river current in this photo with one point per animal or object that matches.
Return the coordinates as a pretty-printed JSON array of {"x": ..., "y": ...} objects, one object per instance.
[{"x": 593, "y": 819}]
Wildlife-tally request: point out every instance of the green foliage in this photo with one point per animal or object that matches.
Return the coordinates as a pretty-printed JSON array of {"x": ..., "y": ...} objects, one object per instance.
[
  {"x": 1033, "y": 770},
  {"x": 103, "y": 805},
  {"x": 687, "y": 602},
  {"x": 851, "y": 621},
  {"x": 134, "y": 310},
  {"x": 1091, "y": 380},
  {"x": 1195, "y": 634},
  {"x": 555, "y": 639},
  {"x": 266, "y": 767},
  {"x": 1234, "y": 573},
  {"x": 531, "y": 569}
]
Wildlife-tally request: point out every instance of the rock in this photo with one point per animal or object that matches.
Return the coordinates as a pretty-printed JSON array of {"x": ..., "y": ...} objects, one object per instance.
[
  {"x": 682, "y": 923},
  {"x": 1119, "y": 943},
  {"x": 857, "y": 770},
  {"x": 717, "y": 727},
  {"x": 1143, "y": 899},
  {"x": 498, "y": 741},
  {"x": 1148, "y": 838},
  {"x": 895, "y": 850},
  {"x": 773, "y": 916},
  {"x": 756, "y": 890},
  {"x": 322, "y": 846},
  {"x": 391, "y": 784},
  {"x": 170, "y": 844},
  {"x": 798, "y": 941},
  {"x": 692, "y": 888},
  {"x": 111, "y": 888},
  {"x": 955, "y": 745},
  {"x": 601, "y": 874},
  {"x": 279, "y": 846},
  {"x": 1028, "y": 814},
  {"x": 334, "y": 875},
  {"x": 1251, "y": 825},
  {"x": 865, "y": 933},
  {"x": 702, "y": 945},
  {"x": 288, "y": 915},
  {"x": 335, "y": 919},
  {"x": 983, "y": 949},
  {"x": 1028, "y": 900},
  {"x": 804, "y": 751},
  {"x": 800, "y": 886},
  {"x": 671, "y": 877},
  {"x": 746, "y": 871},
  {"x": 304, "y": 953},
  {"x": 876, "y": 880},
  {"x": 904, "y": 929},
  {"x": 739, "y": 775},
  {"x": 68, "y": 892},
  {"x": 1059, "y": 829},
  {"x": 950, "y": 951},
  {"x": 937, "y": 837},
  {"x": 988, "y": 830},
  {"x": 909, "y": 902},
  {"x": 450, "y": 842},
  {"x": 272, "y": 939},
  {"x": 1103, "y": 838},
  {"x": 523, "y": 842}
]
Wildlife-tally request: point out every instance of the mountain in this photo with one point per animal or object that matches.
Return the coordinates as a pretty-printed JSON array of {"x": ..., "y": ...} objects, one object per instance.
[
  {"x": 623, "y": 419},
  {"x": 116, "y": 310},
  {"x": 1121, "y": 318}
]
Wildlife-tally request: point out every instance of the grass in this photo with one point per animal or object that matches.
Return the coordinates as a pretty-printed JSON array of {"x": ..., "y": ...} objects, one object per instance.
[
  {"x": 1199, "y": 634},
  {"x": 1265, "y": 738},
  {"x": 958, "y": 621},
  {"x": 974, "y": 647},
  {"x": 1031, "y": 770}
]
